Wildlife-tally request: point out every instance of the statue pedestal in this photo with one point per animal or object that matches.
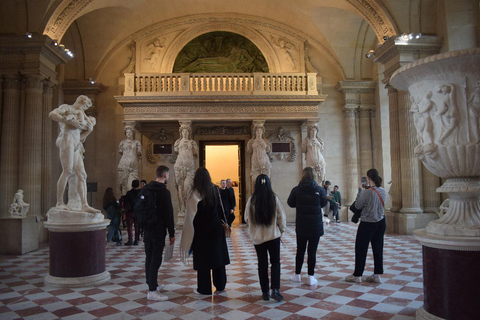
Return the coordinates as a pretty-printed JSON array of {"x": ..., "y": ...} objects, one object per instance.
[
  {"x": 18, "y": 235},
  {"x": 77, "y": 248},
  {"x": 450, "y": 276}
]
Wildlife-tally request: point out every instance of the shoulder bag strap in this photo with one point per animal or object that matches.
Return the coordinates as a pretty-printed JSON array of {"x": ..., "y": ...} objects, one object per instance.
[
  {"x": 378, "y": 196},
  {"x": 221, "y": 204}
]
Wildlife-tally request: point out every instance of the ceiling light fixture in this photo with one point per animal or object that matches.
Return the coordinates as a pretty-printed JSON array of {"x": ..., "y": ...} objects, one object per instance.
[{"x": 29, "y": 35}]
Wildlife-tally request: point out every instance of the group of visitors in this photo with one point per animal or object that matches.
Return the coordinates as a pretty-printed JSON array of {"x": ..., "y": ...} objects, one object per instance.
[
  {"x": 334, "y": 201},
  {"x": 203, "y": 234}
]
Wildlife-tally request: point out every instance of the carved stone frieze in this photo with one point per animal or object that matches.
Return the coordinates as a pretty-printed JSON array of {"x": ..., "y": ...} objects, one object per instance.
[
  {"x": 161, "y": 136},
  {"x": 282, "y": 135},
  {"x": 222, "y": 130}
]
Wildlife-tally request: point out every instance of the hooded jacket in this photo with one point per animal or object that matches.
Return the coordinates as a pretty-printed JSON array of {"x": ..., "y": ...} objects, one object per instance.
[{"x": 309, "y": 199}]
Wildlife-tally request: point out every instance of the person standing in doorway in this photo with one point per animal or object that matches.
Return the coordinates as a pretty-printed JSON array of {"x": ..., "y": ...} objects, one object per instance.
[
  {"x": 308, "y": 198},
  {"x": 130, "y": 214},
  {"x": 228, "y": 201},
  {"x": 266, "y": 220},
  {"x": 154, "y": 237}
]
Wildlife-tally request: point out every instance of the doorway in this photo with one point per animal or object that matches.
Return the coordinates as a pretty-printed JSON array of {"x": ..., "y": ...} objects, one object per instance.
[{"x": 224, "y": 160}]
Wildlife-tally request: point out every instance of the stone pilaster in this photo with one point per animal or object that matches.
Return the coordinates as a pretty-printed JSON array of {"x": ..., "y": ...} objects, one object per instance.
[
  {"x": 396, "y": 188},
  {"x": 351, "y": 155},
  {"x": 409, "y": 164},
  {"x": 431, "y": 198},
  {"x": 10, "y": 142},
  {"x": 31, "y": 162},
  {"x": 365, "y": 140},
  {"x": 48, "y": 185}
]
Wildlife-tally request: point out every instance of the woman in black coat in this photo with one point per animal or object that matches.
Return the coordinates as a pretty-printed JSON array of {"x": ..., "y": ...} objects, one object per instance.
[
  {"x": 309, "y": 199},
  {"x": 203, "y": 234}
]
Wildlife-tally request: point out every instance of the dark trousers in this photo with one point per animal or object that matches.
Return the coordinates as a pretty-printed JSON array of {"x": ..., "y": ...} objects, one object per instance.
[
  {"x": 132, "y": 222},
  {"x": 265, "y": 249},
  {"x": 369, "y": 232},
  {"x": 312, "y": 253},
  {"x": 204, "y": 281},
  {"x": 154, "y": 244},
  {"x": 334, "y": 208}
]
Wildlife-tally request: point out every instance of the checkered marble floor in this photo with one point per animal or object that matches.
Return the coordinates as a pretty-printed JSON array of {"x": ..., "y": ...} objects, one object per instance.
[{"x": 23, "y": 294}]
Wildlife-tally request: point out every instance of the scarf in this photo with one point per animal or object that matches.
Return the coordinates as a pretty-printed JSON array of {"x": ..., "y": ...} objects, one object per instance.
[{"x": 188, "y": 230}]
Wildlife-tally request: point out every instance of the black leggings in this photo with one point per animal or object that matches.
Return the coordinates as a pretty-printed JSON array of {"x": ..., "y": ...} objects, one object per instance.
[
  {"x": 312, "y": 253},
  {"x": 369, "y": 232},
  {"x": 271, "y": 248}
]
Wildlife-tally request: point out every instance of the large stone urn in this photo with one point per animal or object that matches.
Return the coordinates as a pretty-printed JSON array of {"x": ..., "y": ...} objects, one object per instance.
[{"x": 445, "y": 103}]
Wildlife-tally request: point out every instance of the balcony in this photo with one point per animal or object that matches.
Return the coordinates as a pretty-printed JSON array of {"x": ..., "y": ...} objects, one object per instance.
[{"x": 218, "y": 84}]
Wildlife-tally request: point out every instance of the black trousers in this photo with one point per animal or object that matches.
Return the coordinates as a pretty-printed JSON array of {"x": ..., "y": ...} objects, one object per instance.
[
  {"x": 369, "y": 232},
  {"x": 265, "y": 249},
  {"x": 204, "y": 281},
  {"x": 154, "y": 244},
  {"x": 312, "y": 253}
]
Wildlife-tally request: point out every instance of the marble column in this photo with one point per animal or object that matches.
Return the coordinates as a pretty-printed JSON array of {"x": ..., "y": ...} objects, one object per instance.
[
  {"x": 351, "y": 155},
  {"x": 31, "y": 162},
  {"x": 409, "y": 164},
  {"x": 365, "y": 140},
  {"x": 396, "y": 188},
  {"x": 10, "y": 142},
  {"x": 48, "y": 184}
]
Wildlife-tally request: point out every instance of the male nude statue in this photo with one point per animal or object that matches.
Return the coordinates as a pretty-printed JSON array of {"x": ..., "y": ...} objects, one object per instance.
[{"x": 75, "y": 126}]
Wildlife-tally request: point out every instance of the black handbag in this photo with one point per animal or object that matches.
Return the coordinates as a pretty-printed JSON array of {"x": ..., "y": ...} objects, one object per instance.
[{"x": 356, "y": 212}]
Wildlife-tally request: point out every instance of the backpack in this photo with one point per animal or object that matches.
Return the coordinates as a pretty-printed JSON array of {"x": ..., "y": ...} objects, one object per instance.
[{"x": 145, "y": 207}]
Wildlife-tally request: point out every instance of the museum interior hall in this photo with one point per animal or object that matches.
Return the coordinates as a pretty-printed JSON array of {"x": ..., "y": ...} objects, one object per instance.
[{"x": 95, "y": 94}]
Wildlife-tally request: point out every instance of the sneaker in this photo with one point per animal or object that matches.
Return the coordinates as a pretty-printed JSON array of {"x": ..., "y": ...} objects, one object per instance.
[
  {"x": 338, "y": 221},
  {"x": 375, "y": 278},
  {"x": 310, "y": 281},
  {"x": 135, "y": 243},
  {"x": 157, "y": 296},
  {"x": 296, "y": 278},
  {"x": 160, "y": 287},
  {"x": 352, "y": 278},
  {"x": 129, "y": 243},
  {"x": 276, "y": 295},
  {"x": 265, "y": 296}
]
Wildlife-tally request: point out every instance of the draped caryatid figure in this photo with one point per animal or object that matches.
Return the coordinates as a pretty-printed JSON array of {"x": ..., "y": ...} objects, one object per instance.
[
  {"x": 313, "y": 146},
  {"x": 131, "y": 151},
  {"x": 259, "y": 148}
]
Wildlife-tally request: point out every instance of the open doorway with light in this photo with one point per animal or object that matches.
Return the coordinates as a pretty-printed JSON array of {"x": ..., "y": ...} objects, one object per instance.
[{"x": 224, "y": 160}]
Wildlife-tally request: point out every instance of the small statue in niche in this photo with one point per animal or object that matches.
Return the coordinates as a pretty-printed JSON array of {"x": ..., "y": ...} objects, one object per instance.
[
  {"x": 313, "y": 146},
  {"x": 153, "y": 52},
  {"x": 448, "y": 113},
  {"x": 18, "y": 209},
  {"x": 260, "y": 149},
  {"x": 187, "y": 152},
  {"x": 131, "y": 151},
  {"x": 75, "y": 126}
]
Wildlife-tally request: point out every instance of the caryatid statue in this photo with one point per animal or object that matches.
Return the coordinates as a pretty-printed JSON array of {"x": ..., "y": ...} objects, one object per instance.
[
  {"x": 259, "y": 148},
  {"x": 75, "y": 126},
  {"x": 186, "y": 150},
  {"x": 313, "y": 146},
  {"x": 131, "y": 151}
]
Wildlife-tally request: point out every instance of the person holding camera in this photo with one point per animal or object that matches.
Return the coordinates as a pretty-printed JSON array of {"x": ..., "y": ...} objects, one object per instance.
[{"x": 370, "y": 199}]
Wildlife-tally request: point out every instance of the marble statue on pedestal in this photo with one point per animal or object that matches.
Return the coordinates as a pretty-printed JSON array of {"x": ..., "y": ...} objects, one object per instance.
[
  {"x": 313, "y": 146},
  {"x": 75, "y": 126},
  {"x": 187, "y": 152},
  {"x": 131, "y": 151},
  {"x": 18, "y": 209},
  {"x": 260, "y": 149}
]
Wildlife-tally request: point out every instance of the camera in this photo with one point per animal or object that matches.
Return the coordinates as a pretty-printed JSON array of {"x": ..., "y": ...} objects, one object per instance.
[{"x": 364, "y": 182}]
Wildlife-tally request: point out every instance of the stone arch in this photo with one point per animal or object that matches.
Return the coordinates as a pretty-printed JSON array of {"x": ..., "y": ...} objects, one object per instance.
[
  {"x": 182, "y": 39},
  {"x": 373, "y": 11}
]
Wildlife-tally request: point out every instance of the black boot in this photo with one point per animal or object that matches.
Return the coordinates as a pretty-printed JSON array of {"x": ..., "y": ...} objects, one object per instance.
[
  {"x": 265, "y": 296},
  {"x": 276, "y": 295}
]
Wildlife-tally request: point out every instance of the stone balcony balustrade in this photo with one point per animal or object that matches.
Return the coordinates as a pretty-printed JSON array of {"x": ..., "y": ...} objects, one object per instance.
[{"x": 184, "y": 84}]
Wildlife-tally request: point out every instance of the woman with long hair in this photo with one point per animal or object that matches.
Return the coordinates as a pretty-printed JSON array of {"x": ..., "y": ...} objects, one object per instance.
[
  {"x": 371, "y": 199},
  {"x": 113, "y": 209},
  {"x": 203, "y": 234},
  {"x": 308, "y": 199},
  {"x": 266, "y": 218}
]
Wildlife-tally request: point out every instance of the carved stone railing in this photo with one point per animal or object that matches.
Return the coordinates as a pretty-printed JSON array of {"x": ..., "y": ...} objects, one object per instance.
[{"x": 164, "y": 84}]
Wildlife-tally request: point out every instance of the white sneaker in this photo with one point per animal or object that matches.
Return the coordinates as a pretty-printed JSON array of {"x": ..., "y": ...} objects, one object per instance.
[
  {"x": 160, "y": 287},
  {"x": 310, "y": 281},
  {"x": 352, "y": 278},
  {"x": 296, "y": 278},
  {"x": 374, "y": 278},
  {"x": 157, "y": 296}
]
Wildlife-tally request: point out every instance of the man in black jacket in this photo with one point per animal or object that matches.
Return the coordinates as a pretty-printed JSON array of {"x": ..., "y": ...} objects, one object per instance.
[{"x": 154, "y": 236}]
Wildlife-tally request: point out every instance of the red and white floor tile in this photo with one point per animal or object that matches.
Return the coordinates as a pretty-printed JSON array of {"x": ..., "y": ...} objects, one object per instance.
[{"x": 23, "y": 294}]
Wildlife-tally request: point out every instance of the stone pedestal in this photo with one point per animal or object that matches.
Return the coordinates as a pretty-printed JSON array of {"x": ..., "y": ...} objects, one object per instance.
[
  {"x": 450, "y": 276},
  {"x": 18, "y": 235},
  {"x": 77, "y": 249}
]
